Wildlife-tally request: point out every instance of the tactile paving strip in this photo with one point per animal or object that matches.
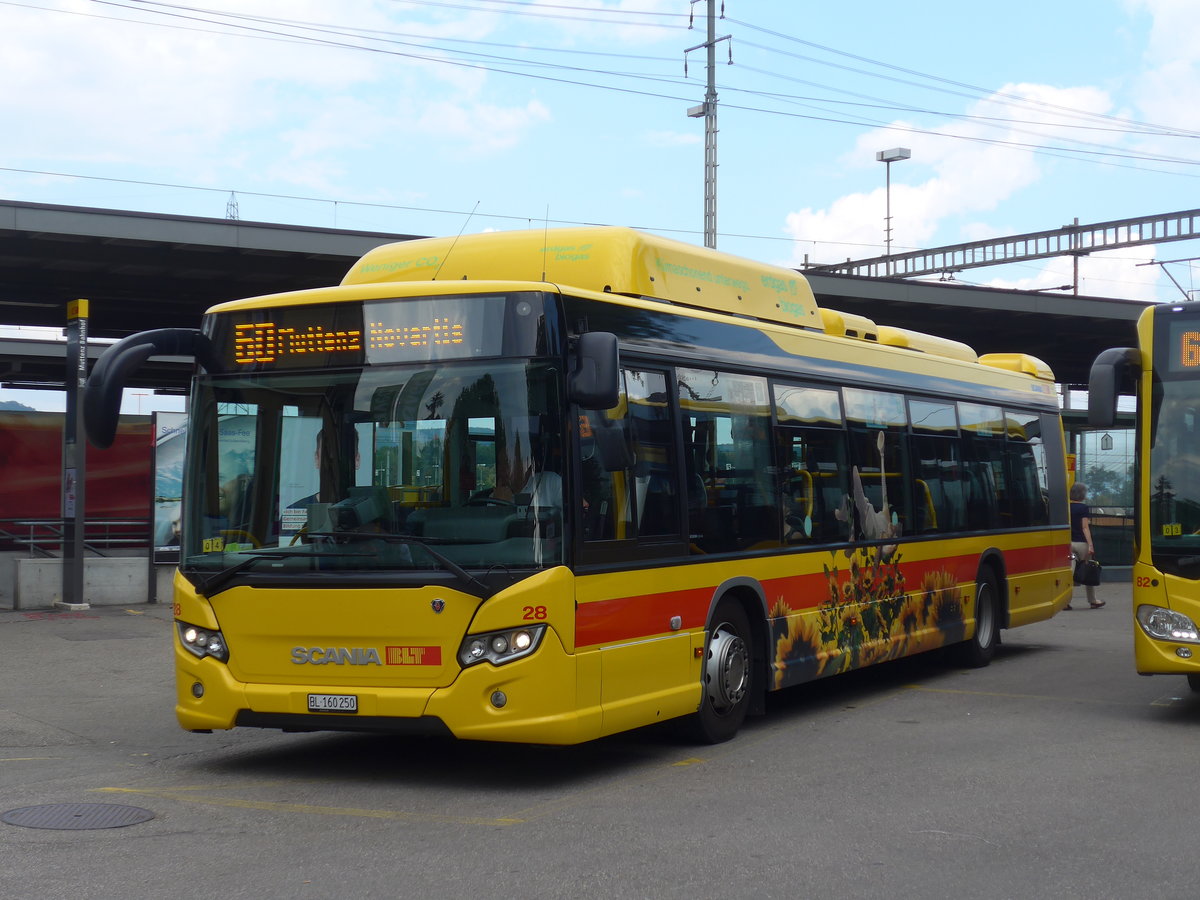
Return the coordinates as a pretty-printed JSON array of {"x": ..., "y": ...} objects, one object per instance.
[{"x": 77, "y": 816}]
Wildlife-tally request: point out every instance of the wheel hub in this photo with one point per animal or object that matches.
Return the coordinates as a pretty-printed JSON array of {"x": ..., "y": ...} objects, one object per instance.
[
  {"x": 984, "y": 616},
  {"x": 727, "y": 670}
]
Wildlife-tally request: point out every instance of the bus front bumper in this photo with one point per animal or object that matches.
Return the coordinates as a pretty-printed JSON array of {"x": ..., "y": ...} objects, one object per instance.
[
  {"x": 1164, "y": 657},
  {"x": 532, "y": 700}
]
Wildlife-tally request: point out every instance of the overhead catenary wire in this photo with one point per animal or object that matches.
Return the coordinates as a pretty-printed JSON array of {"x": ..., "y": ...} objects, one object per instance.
[
  {"x": 1101, "y": 156},
  {"x": 163, "y": 8},
  {"x": 366, "y": 204},
  {"x": 977, "y": 91},
  {"x": 355, "y": 40}
]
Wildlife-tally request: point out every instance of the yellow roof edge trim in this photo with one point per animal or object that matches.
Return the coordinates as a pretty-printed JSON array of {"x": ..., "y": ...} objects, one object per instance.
[
  {"x": 926, "y": 343},
  {"x": 1019, "y": 362},
  {"x": 603, "y": 259}
]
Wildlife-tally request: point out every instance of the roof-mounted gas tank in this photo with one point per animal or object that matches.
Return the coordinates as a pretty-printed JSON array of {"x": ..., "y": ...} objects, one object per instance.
[{"x": 603, "y": 259}]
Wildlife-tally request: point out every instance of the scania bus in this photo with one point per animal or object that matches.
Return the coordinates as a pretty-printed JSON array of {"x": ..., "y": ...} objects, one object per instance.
[
  {"x": 551, "y": 485},
  {"x": 1163, "y": 371}
]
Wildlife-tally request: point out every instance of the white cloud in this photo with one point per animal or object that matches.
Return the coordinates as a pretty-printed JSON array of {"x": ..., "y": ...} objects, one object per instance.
[
  {"x": 98, "y": 89},
  {"x": 480, "y": 128},
  {"x": 974, "y": 172},
  {"x": 1100, "y": 275},
  {"x": 1166, "y": 92},
  {"x": 1173, "y": 28},
  {"x": 852, "y": 227}
]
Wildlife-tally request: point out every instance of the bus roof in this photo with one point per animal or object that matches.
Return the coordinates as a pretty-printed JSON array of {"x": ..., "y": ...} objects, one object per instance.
[
  {"x": 633, "y": 264},
  {"x": 603, "y": 259}
]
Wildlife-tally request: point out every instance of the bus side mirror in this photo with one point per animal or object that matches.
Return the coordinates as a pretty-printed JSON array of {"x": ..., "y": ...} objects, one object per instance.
[
  {"x": 110, "y": 375},
  {"x": 596, "y": 381},
  {"x": 1109, "y": 371}
]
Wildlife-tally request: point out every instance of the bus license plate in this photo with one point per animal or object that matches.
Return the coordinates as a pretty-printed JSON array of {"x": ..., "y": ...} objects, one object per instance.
[{"x": 344, "y": 703}]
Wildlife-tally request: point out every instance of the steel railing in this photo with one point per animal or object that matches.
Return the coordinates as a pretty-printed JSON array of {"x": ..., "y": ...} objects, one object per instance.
[{"x": 43, "y": 537}]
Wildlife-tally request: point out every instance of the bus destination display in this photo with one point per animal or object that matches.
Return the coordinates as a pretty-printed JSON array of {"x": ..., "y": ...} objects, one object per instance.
[
  {"x": 1184, "y": 346},
  {"x": 371, "y": 333}
]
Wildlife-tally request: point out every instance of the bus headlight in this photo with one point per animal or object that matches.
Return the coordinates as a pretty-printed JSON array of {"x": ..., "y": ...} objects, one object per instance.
[
  {"x": 202, "y": 642},
  {"x": 1167, "y": 625},
  {"x": 500, "y": 647}
]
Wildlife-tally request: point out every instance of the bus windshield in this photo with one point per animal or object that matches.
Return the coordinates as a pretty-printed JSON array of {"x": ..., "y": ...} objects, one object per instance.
[
  {"x": 1174, "y": 477},
  {"x": 354, "y": 473}
]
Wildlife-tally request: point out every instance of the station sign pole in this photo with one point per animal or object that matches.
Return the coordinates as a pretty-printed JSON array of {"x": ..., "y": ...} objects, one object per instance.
[{"x": 74, "y": 457}]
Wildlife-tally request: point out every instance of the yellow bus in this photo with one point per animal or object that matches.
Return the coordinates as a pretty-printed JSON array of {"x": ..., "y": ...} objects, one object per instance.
[
  {"x": 1163, "y": 371},
  {"x": 551, "y": 485}
]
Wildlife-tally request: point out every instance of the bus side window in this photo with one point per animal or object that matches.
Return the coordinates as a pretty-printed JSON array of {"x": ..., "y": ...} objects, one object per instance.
[
  {"x": 935, "y": 457},
  {"x": 811, "y": 456},
  {"x": 728, "y": 461},
  {"x": 880, "y": 488},
  {"x": 655, "y": 473},
  {"x": 983, "y": 459},
  {"x": 880, "y": 485},
  {"x": 628, "y": 469},
  {"x": 605, "y": 465},
  {"x": 940, "y": 504},
  {"x": 1021, "y": 451},
  {"x": 813, "y": 485}
]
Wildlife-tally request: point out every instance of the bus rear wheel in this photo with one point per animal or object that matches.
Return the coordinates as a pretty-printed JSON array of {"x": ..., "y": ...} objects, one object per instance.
[
  {"x": 978, "y": 651},
  {"x": 726, "y": 676}
]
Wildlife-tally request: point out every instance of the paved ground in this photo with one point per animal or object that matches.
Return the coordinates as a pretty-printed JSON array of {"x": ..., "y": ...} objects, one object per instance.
[{"x": 1055, "y": 772}]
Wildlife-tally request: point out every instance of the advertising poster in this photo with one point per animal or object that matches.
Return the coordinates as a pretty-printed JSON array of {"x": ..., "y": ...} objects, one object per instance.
[{"x": 170, "y": 436}]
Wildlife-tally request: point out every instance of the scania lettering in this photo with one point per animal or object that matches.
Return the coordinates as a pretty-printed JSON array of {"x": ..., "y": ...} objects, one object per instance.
[{"x": 338, "y": 656}]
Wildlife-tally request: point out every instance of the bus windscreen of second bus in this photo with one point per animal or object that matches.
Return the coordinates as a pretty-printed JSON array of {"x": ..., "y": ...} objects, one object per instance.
[{"x": 1174, "y": 463}]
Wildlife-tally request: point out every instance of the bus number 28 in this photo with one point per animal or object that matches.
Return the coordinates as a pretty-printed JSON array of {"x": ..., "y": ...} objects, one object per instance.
[{"x": 534, "y": 612}]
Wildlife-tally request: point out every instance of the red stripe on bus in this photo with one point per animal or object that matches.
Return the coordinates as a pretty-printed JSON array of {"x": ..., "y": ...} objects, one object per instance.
[
  {"x": 646, "y": 615},
  {"x": 627, "y": 618}
]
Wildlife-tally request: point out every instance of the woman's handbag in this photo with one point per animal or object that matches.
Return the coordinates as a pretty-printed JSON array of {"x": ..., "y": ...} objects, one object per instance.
[{"x": 1087, "y": 572}]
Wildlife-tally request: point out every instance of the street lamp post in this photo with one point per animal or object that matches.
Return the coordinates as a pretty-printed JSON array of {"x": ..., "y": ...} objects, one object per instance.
[{"x": 890, "y": 156}]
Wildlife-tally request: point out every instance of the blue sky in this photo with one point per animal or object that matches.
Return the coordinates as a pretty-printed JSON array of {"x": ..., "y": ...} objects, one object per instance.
[{"x": 410, "y": 116}]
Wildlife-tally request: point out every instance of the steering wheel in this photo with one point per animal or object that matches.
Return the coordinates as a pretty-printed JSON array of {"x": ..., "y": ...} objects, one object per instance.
[
  {"x": 489, "y": 501},
  {"x": 236, "y": 535}
]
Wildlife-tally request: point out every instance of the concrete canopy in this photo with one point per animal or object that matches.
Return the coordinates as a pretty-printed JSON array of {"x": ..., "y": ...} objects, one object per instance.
[{"x": 147, "y": 270}]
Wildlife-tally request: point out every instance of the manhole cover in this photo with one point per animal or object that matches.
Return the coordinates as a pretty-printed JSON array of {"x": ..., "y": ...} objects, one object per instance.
[{"x": 77, "y": 816}]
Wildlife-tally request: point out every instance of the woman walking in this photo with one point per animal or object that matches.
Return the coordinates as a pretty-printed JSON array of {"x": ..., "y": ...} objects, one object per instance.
[{"x": 1081, "y": 537}]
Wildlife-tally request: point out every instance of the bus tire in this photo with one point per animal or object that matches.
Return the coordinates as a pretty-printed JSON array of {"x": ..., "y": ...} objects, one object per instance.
[
  {"x": 726, "y": 677},
  {"x": 977, "y": 652},
  {"x": 1194, "y": 683}
]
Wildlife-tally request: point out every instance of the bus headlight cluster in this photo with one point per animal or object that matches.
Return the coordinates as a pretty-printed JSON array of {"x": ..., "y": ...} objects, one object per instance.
[
  {"x": 202, "y": 642},
  {"x": 500, "y": 647},
  {"x": 1167, "y": 625}
]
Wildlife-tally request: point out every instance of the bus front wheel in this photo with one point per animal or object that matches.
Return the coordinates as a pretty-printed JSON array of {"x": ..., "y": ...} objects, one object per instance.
[
  {"x": 726, "y": 676},
  {"x": 977, "y": 652},
  {"x": 1194, "y": 682}
]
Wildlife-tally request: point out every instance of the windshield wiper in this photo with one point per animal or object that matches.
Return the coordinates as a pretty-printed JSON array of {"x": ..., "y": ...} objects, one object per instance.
[
  {"x": 477, "y": 587},
  {"x": 215, "y": 583}
]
